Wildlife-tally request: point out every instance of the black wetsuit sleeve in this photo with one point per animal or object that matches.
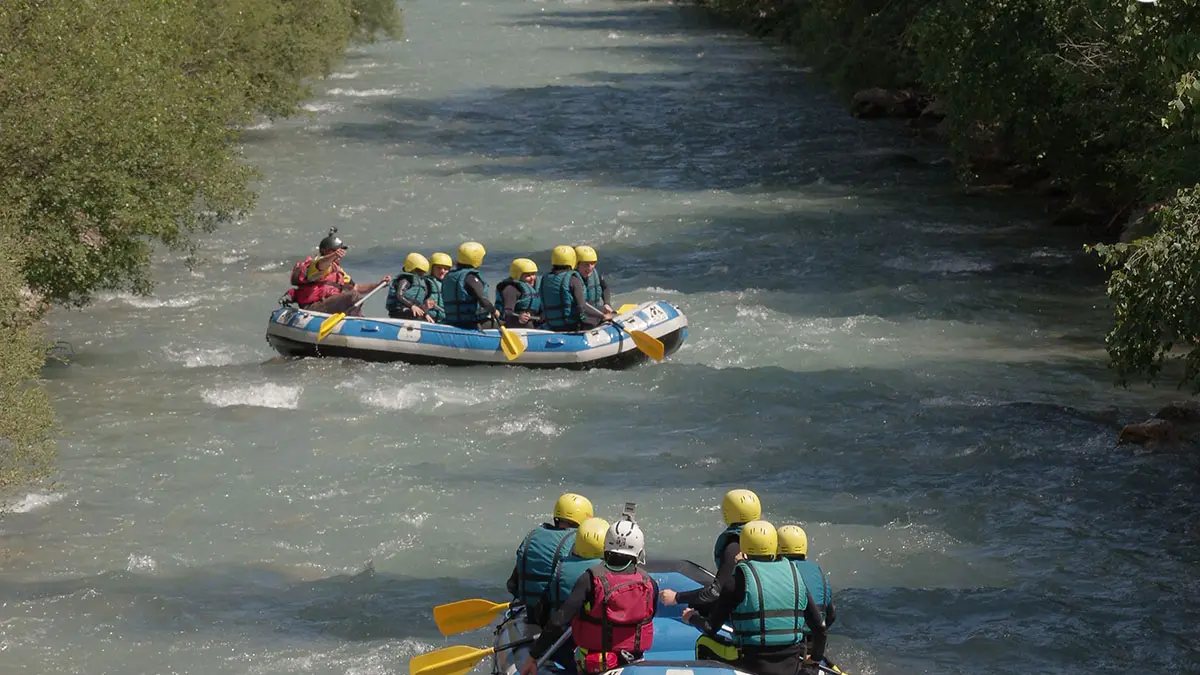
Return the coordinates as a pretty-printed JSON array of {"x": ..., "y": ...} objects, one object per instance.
[
  {"x": 476, "y": 289},
  {"x": 577, "y": 292},
  {"x": 812, "y": 617},
  {"x": 709, "y": 594},
  {"x": 581, "y": 593},
  {"x": 604, "y": 296},
  {"x": 401, "y": 286},
  {"x": 731, "y": 595},
  {"x": 512, "y": 582},
  {"x": 830, "y": 614},
  {"x": 510, "y": 295}
]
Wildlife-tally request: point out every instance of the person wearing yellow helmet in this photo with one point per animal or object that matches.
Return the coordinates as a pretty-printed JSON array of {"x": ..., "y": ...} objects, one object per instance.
[
  {"x": 439, "y": 266},
  {"x": 564, "y": 300},
  {"x": 517, "y": 296},
  {"x": 464, "y": 292},
  {"x": 595, "y": 288},
  {"x": 544, "y": 547},
  {"x": 738, "y": 507},
  {"x": 793, "y": 546},
  {"x": 586, "y": 553},
  {"x": 410, "y": 295},
  {"x": 321, "y": 285},
  {"x": 767, "y": 605}
]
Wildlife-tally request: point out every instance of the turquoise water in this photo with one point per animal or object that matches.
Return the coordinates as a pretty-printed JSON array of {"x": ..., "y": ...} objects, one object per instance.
[{"x": 915, "y": 376}]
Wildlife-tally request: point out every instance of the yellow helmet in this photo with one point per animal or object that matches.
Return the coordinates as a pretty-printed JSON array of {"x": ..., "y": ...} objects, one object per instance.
[
  {"x": 471, "y": 253},
  {"x": 563, "y": 256},
  {"x": 740, "y": 506},
  {"x": 442, "y": 259},
  {"x": 521, "y": 266},
  {"x": 793, "y": 540},
  {"x": 585, "y": 254},
  {"x": 573, "y": 507},
  {"x": 416, "y": 261},
  {"x": 589, "y": 540},
  {"x": 759, "y": 538}
]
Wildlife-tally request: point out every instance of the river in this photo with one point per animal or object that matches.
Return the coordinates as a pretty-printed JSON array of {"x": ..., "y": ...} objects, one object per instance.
[{"x": 916, "y": 377}]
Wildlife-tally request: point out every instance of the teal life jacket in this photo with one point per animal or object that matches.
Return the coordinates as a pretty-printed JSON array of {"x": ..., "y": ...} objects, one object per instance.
[
  {"x": 592, "y": 291},
  {"x": 730, "y": 533},
  {"x": 537, "y": 557},
  {"x": 558, "y": 305},
  {"x": 438, "y": 313},
  {"x": 771, "y": 614},
  {"x": 566, "y": 574},
  {"x": 814, "y": 580},
  {"x": 461, "y": 307},
  {"x": 529, "y": 301},
  {"x": 417, "y": 292}
]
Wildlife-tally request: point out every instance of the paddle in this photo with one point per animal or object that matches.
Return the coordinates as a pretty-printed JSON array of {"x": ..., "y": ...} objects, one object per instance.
[
  {"x": 457, "y": 660},
  {"x": 650, "y": 345},
  {"x": 464, "y": 615},
  {"x": 510, "y": 343},
  {"x": 626, "y": 308},
  {"x": 329, "y": 324}
]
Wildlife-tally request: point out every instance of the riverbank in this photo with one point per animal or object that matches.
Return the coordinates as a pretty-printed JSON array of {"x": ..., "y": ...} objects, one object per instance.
[
  {"x": 1089, "y": 106},
  {"x": 1059, "y": 101},
  {"x": 121, "y": 134}
]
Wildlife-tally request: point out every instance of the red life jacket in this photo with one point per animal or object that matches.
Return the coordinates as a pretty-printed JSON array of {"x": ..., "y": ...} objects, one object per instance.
[
  {"x": 621, "y": 616},
  {"x": 308, "y": 292}
]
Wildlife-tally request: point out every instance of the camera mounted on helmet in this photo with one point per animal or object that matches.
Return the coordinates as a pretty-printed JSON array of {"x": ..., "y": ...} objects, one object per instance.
[{"x": 331, "y": 242}]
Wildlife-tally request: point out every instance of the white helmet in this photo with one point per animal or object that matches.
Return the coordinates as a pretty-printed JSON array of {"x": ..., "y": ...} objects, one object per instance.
[{"x": 626, "y": 538}]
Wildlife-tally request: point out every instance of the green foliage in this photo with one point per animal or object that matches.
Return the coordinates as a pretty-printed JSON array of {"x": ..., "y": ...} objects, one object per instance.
[
  {"x": 1152, "y": 287},
  {"x": 119, "y": 130},
  {"x": 1099, "y": 94},
  {"x": 375, "y": 17},
  {"x": 26, "y": 417}
]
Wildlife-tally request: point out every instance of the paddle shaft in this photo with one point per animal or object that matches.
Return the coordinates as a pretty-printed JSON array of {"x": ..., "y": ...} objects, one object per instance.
[
  {"x": 368, "y": 295},
  {"x": 553, "y": 648}
]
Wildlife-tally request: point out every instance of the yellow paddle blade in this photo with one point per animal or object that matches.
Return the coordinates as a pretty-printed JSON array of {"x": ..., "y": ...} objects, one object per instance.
[
  {"x": 650, "y": 345},
  {"x": 626, "y": 308},
  {"x": 329, "y": 324},
  {"x": 510, "y": 343},
  {"x": 457, "y": 660},
  {"x": 465, "y": 615}
]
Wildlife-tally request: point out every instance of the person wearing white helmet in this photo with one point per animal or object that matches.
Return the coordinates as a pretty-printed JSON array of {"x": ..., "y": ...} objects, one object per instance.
[{"x": 610, "y": 610}]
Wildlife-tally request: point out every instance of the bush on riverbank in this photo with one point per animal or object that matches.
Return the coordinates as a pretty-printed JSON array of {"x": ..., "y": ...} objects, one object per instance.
[
  {"x": 119, "y": 125},
  {"x": 1090, "y": 99}
]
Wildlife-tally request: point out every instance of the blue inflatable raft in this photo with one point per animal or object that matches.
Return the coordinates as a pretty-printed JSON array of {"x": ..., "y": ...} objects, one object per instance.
[
  {"x": 674, "y": 650},
  {"x": 293, "y": 332}
]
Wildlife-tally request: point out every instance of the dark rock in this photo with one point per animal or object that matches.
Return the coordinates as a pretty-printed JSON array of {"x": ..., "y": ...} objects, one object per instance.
[
  {"x": 877, "y": 102},
  {"x": 1186, "y": 412},
  {"x": 1153, "y": 431}
]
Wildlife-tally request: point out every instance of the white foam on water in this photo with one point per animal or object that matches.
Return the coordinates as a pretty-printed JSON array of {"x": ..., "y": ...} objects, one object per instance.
[
  {"x": 949, "y": 264},
  {"x": 661, "y": 291},
  {"x": 33, "y": 501},
  {"x": 363, "y": 93},
  {"x": 321, "y": 106},
  {"x": 230, "y": 259},
  {"x": 431, "y": 396},
  {"x": 266, "y": 124},
  {"x": 527, "y": 424},
  {"x": 261, "y": 395},
  {"x": 150, "y": 302},
  {"x": 141, "y": 563},
  {"x": 344, "y": 76},
  {"x": 198, "y": 357}
]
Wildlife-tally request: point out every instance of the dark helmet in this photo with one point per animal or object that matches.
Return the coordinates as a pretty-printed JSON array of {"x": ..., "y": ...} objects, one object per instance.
[{"x": 331, "y": 243}]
